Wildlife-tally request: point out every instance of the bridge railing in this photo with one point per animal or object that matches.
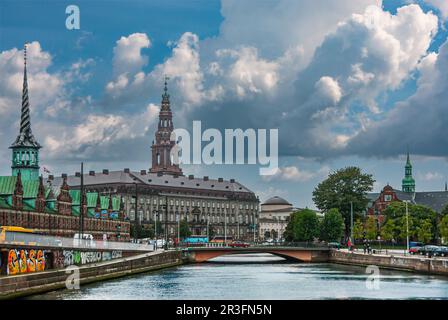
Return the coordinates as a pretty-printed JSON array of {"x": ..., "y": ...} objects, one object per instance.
[
  {"x": 310, "y": 245},
  {"x": 36, "y": 240}
]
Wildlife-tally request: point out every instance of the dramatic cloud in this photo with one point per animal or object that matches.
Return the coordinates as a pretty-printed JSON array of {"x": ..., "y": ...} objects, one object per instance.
[
  {"x": 294, "y": 174},
  {"x": 441, "y": 5},
  {"x": 419, "y": 121}
]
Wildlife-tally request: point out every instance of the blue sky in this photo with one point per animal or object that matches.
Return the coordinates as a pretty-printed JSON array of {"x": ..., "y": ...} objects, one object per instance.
[{"x": 345, "y": 82}]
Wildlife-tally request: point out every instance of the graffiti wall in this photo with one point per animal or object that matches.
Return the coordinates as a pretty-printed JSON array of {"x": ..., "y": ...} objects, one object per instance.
[
  {"x": 25, "y": 261},
  {"x": 67, "y": 258}
]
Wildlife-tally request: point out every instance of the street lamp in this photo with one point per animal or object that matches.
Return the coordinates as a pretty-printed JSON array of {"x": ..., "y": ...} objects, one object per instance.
[
  {"x": 225, "y": 227},
  {"x": 351, "y": 222},
  {"x": 208, "y": 226},
  {"x": 407, "y": 227},
  {"x": 178, "y": 227}
]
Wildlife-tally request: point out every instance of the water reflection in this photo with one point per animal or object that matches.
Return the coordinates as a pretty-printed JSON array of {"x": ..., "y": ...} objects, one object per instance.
[{"x": 261, "y": 276}]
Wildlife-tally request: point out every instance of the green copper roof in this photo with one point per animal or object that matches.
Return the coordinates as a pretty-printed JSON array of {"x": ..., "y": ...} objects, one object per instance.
[
  {"x": 4, "y": 204},
  {"x": 8, "y": 184}
]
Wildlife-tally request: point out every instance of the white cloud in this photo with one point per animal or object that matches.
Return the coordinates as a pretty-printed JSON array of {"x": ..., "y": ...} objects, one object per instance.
[
  {"x": 430, "y": 176},
  {"x": 293, "y": 173},
  {"x": 127, "y": 53},
  {"x": 329, "y": 90},
  {"x": 442, "y": 5}
]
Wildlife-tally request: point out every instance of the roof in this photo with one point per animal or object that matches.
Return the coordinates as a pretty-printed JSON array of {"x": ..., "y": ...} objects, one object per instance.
[
  {"x": 8, "y": 185},
  {"x": 436, "y": 200},
  {"x": 276, "y": 201},
  {"x": 153, "y": 179}
]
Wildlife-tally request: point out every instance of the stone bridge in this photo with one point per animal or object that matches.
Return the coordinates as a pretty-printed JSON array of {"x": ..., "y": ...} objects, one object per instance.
[{"x": 302, "y": 254}]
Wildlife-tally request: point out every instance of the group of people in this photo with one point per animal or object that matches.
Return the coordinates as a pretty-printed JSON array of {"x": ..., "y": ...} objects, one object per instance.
[{"x": 366, "y": 246}]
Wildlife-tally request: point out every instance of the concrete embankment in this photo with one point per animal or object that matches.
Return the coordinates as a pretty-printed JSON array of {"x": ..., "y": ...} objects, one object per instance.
[
  {"x": 404, "y": 263},
  {"x": 39, "y": 282}
]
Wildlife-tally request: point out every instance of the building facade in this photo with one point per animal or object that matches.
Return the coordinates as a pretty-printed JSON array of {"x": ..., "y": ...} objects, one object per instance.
[
  {"x": 436, "y": 200},
  {"x": 166, "y": 196},
  {"x": 275, "y": 214},
  {"x": 26, "y": 201}
]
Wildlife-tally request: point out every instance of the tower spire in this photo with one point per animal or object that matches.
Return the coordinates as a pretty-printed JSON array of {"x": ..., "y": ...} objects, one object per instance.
[
  {"x": 25, "y": 154},
  {"x": 408, "y": 182}
]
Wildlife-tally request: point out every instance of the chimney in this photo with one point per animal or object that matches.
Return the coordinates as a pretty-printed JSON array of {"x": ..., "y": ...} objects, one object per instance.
[
  {"x": 205, "y": 178},
  {"x": 232, "y": 180},
  {"x": 191, "y": 177},
  {"x": 126, "y": 170},
  {"x": 64, "y": 175},
  {"x": 77, "y": 174},
  {"x": 142, "y": 172},
  {"x": 220, "y": 180},
  {"x": 105, "y": 171},
  {"x": 91, "y": 173}
]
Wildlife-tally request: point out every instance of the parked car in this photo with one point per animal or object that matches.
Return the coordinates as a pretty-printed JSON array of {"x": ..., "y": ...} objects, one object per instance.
[
  {"x": 441, "y": 252},
  {"x": 335, "y": 245},
  {"x": 428, "y": 250},
  {"x": 414, "y": 250},
  {"x": 239, "y": 244}
]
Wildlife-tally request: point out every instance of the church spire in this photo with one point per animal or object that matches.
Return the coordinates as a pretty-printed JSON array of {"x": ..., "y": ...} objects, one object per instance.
[
  {"x": 25, "y": 154},
  {"x": 162, "y": 159},
  {"x": 408, "y": 182}
]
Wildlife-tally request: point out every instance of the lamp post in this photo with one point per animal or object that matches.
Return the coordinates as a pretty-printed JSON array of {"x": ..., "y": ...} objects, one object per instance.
[
  {"x": 166, "y": 221},
  {"x": 351, "y": 222},
  {"x": 225, "y": 226},
  {"x": 178, "y": 228},
  {"x": 208, "y": 226},
  {"x": 136, "y": 214},
  {"x": 407, "y": 227},
  {"x": 155, "y": 229}
]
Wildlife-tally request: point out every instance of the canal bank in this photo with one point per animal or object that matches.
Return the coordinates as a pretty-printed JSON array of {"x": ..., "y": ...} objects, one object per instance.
[
  {"x": 34, "y": 283},
  {"x": 403, "y": 263}
]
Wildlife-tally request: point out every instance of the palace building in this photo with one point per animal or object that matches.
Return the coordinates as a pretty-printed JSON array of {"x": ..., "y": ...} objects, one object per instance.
[
  {"x": 436, "y": 200},
  {"x": 26, "y": 201},
  {"x": 163, "y": 194}
]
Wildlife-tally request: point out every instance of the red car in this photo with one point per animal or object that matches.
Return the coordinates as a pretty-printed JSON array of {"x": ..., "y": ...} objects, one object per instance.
[
  {"x": 239, "y": 244},
  {"x": 414, "y": 250}
]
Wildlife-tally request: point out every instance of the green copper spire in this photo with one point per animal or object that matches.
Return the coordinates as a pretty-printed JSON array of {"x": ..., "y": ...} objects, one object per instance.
[
  {"x": 25, "y": 149},
  {"x": 408, "y": 183}
]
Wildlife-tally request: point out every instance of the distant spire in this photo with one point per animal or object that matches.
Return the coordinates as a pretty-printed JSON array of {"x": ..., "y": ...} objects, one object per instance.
[
  {"x": 166, "y": 96},
  {"x": 25, "y": 137},
  {"x": 446, "y": 186}
]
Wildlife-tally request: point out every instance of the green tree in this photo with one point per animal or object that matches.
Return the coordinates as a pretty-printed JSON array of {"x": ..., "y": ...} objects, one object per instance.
[
  {"x": 345, "y": 186},
  {"x": 389, "y": 230},
  {"x": 371, "y": 228},
  {"x": 358, "y": 229},
  {"x": 184, "y": 229},
  {"x": 332, "y": 226},
  {"x": 303, "y": 226},
  {"x": 424, "y": 231},
  {"x": 443, "y": 228}
]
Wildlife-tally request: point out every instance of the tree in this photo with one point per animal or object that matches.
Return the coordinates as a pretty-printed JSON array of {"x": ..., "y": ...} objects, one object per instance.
[
  {"x": 358, "y": 229},
  {"x": 389, "y": 230},
  {"x": 443, "y": 228},
  {"x": 371, "y": 228},
  {"x": 340, "y": 189},
  {"x": 184, "y": 229},
  {"x": 424, "y": 231},
  {"x": 141, "y": 232},
  {"x": 332, "y": 226},
  {"x": 303, "y": 226}
]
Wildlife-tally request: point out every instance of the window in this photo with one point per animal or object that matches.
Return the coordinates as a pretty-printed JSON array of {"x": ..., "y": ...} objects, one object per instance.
[{"x": 387, "y": 197}]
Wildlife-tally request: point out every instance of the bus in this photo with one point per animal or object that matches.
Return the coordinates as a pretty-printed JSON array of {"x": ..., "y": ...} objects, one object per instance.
[
  {"x": 222, "y": 239},
  {"x": 195, "y": 240},
  {"x": 16, "y": 235}
]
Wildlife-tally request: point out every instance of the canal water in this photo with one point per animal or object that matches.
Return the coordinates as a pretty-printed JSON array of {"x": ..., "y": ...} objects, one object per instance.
[{"x": 261, "y": 276}]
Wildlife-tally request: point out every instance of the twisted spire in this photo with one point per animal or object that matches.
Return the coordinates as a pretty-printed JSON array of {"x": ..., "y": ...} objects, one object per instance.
[{"x": 25, "y": 137}]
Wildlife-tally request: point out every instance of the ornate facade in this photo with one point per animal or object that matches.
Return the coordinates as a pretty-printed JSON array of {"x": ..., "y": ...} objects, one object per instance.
[
  {"x": 26, "y": 201},
  {"x": 165, "y": 195}
]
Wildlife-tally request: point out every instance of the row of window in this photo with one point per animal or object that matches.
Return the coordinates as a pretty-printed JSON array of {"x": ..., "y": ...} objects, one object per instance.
[
  {"x": 194, "y": 218},
  {"x": 194, "y": 203}
]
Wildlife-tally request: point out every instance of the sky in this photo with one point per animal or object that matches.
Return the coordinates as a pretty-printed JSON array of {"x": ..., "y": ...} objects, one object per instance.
[{"x": 345, "y": 83}]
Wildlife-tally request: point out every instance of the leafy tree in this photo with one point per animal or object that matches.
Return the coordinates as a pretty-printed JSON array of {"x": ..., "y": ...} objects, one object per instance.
[
  {"x": 424, "y": 231},
  {"x": 371, "y": 228},
  {"x": 402, "y": 227},
  {"x": 389, "y": 230},
  {"x": 444, "y": 211},
  {"x": 303, "y": 226},
  {"x": 340, "y": 189},
  {"x": 443, "y": 228},
  {"x": 332, "y": 226},
  {"x": 184, "y": 229},
  {"x": 141, "y": 232},
  {"x": 358, "y": 229}
]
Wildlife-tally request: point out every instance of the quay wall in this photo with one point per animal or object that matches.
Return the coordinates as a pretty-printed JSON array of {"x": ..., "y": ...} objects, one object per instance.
[
  {"x": 403, "y": 263},
  {"x": 33, "y": 283}
]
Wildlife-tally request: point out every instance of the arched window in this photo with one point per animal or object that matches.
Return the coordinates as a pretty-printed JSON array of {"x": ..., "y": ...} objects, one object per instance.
[{"x": 158, "y": 158}]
